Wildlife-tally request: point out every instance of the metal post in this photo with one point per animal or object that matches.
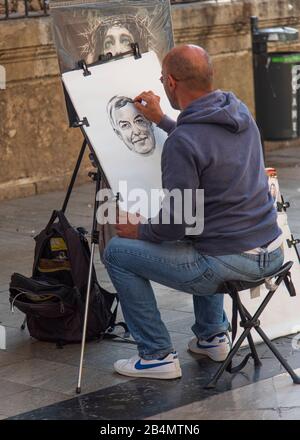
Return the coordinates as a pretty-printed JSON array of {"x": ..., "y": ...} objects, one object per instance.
[
  {"x": 45, "y": 4},
  {"x": 26, "y": 8},
  {"x": 258, "y": 49},
  {"x": 6, "y": 9}
]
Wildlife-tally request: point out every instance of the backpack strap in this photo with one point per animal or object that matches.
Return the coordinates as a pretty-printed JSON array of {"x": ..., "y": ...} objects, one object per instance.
[
  {"x": 63, "y": 220},
  {"x": 51, "y": 221},
  {"x": 113, "y": 324},
  {"x": 110, "y": 335},
  {"x": 40, "y": 240}
]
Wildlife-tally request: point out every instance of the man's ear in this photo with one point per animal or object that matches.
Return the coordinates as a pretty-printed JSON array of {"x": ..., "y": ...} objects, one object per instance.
[{"x": 171, "y": 82}]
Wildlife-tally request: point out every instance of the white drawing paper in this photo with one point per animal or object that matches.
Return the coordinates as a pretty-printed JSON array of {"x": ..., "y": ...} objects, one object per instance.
[{"x": 127, "y": 145}]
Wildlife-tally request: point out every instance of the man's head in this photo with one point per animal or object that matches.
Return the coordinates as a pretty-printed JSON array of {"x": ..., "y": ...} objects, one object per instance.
[
  {"x": 130, "y": 125},
  {"x": 187, "y": 74}
]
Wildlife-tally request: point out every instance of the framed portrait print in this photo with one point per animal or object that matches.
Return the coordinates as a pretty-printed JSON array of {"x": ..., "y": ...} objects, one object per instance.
[{"x": 87, "y": 29}]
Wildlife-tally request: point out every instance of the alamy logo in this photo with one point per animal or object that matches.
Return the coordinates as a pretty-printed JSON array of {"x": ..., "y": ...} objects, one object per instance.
[
  {"x": 2, "y": 78},
  {"x": 174, "y": 207}
]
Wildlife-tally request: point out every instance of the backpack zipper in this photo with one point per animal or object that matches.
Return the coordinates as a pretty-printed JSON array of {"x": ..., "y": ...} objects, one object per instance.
[
  {"x": 12, "y": 309},
  {"x": 62, "y": 307}
]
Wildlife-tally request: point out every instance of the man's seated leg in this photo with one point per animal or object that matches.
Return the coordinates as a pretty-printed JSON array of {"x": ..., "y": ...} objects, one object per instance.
[
  {"x": 211, "y": 336},
  {"x": 211, "y": 328},
  {"x": 131, "y": 264}
]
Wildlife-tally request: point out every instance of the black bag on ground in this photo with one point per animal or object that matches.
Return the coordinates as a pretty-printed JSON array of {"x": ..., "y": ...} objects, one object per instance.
[{"x": 53, "y": 299}]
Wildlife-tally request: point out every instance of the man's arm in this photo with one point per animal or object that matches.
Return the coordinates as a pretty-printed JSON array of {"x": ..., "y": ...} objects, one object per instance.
[
  {"x": 179, "y": 172},
  {"x": 149, "y": 105},
  {"x": 167, "y": 124},
  {"x": 153, "y": 112}
]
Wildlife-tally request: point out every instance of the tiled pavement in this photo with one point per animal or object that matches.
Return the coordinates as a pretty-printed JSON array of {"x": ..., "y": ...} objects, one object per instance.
[
  {"x": 34, "y": 375},
  {"x": 271, "y": 399}
]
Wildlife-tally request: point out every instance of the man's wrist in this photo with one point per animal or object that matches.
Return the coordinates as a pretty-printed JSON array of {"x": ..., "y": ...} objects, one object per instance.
[
  {"x": 167, "y": 124},
  {"x": 160, "y": 119},
  {"x": 142, "y": 228},
  {"x": 139, "y": 231}
]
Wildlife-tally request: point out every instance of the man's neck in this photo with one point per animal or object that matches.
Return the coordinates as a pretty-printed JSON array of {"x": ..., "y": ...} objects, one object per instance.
[{"x": 186, "y": 99}]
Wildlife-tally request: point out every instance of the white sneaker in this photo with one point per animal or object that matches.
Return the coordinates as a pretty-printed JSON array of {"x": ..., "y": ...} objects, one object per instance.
[
  {"x": 216, "y": 348},
  {"x": 166, "y": 368}
]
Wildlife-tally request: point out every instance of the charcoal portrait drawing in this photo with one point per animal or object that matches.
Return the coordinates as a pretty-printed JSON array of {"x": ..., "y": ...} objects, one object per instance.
[{"x": 130, "y": 126}]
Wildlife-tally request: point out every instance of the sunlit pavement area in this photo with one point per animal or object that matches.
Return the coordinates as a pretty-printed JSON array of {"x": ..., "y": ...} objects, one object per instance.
[{"x": 38, "y": 381}]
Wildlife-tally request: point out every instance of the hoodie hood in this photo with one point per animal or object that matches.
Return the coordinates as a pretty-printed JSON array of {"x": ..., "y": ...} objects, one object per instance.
[{"x": 218, "y": 107}]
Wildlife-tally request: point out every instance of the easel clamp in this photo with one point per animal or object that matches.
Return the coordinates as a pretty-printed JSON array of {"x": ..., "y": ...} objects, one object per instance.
[
  {"x": 104, "y": 58},
  {"x": 80, "y": 123}
]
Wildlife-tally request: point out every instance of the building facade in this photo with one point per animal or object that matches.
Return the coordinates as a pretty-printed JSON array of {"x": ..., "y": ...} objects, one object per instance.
[{"x": 38, "y": 149}]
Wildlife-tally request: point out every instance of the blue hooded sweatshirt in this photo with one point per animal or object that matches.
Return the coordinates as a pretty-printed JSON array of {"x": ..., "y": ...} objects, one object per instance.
[{"x": 215, "y": 145}]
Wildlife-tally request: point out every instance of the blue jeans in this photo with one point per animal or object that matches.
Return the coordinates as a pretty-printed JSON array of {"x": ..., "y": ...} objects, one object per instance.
[{"x": 132, "y": 263}]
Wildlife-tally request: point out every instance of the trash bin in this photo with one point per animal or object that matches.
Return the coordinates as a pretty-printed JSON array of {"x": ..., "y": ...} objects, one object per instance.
[{"x": 278, "y": 95}]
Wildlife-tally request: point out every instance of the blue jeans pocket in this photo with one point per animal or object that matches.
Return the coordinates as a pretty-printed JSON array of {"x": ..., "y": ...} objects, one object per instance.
[{"x": 204, "y": 284}]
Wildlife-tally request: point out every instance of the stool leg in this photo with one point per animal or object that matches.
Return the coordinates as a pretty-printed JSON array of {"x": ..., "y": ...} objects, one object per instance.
[
  {"x": 244, "y": 319},
  {"x": 284, "y": 363},
  {"x": 232, "y": 353},
  {"x": 255, "y": 356}
]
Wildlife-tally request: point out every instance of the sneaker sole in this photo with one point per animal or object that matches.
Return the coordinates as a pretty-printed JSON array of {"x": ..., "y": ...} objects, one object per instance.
[
  {"x": 215, "y": 357},
  {"x": 172, "y": 375}
]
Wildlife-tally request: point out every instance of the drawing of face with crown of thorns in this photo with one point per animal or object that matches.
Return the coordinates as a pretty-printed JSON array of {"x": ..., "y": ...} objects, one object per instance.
[
  {"x": 118, "y": 39},
  {"x": 114, "y": 35}
]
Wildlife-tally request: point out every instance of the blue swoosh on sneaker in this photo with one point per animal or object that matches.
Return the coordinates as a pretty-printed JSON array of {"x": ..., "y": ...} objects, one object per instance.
[
  {"x": 140, "y": 366},
  {"x": 207, "y": 346}
]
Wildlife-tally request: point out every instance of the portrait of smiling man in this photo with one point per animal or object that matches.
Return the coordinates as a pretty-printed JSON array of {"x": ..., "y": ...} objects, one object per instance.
[{"x": 131, "y": 126}]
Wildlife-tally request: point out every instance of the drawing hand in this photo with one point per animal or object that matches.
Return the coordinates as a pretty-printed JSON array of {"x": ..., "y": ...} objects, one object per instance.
[
  {"x": 151, "y": 109},
  {"x": 127, "y": 224}
]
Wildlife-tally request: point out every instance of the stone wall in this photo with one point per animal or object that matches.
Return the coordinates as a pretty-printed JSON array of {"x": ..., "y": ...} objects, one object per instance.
[
  {"x": 223, "y": 28},
  {"x": 18, "y": 6},
  {"x": 38, "y": 150}
]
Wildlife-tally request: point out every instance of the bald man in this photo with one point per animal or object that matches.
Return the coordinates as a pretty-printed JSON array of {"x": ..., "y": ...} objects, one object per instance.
[{"x": 214, "y": 145}]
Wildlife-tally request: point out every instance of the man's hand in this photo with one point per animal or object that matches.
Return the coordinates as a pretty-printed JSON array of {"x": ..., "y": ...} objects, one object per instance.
[
  {"x": 127, "y": 226},
  {"x": 150, "y": 107}
]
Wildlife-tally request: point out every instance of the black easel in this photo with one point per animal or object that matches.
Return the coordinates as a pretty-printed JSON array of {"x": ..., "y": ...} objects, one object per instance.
[
  {"x": 293, "y": 242},
  {"x": 96, "y": 176}
]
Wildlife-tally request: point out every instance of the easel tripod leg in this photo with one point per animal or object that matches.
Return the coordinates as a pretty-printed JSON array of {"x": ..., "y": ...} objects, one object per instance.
[
  {"x": 87, "y": 301},
  {"x": 95, "y": 241},
  {"x": 74, "y": 175}
]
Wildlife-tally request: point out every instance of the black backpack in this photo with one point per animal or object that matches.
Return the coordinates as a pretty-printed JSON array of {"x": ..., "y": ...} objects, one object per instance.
[{"x": 53, "y": 299}]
